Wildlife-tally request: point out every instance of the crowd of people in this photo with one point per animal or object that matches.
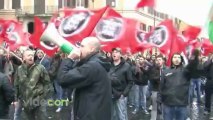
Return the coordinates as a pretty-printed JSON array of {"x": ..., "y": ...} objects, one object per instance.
[{"x": 103, "y": 85}]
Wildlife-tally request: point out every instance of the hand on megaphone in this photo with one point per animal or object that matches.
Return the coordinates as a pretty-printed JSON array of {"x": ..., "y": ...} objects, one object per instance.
[{"x": 75, "y": 54}]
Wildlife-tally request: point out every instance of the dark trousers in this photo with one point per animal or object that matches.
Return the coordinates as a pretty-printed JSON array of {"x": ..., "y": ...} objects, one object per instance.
[
  {"x": 209, "y": 92},
  {"x": 174, "y": 112},
  {"x": 38, "y": 113}
]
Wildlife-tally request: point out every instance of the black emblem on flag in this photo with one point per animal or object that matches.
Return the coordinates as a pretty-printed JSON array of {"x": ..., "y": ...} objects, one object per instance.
[
  {"x": 74, "y": 23},
  {"x": 109, "y": 29},
  {"x": 159, "y": 36}
]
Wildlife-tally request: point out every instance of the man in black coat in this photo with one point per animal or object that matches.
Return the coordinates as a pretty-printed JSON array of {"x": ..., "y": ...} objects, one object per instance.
[
  {"x": 121, "y": 76},
  {"x": 6, "y": 96},
  {"x": 174, "y": 86},
  {"x": 92, "y": 100}
]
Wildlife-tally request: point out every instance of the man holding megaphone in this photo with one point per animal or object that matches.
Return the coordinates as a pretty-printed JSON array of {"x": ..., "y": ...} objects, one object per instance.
[{"x": 92, "y": 100}]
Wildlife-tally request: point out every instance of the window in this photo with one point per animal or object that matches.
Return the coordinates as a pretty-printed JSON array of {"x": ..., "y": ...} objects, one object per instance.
[
  {"x": 16, "y": 4},
  {"x": 2, "y": 4},
  {"x": 39, "y": 6},
  {"x": 30, "y": 27},
  {"x": 111, "y": 3},
  {"x": 71, "y": 3},
  {"x": 82, "y": 3},
  {"x": 157, "y": 14},
  {"x": 59, "y": 3},
  {"x": 162, "y": 15},
  {"x": 150, "y": 11},
  {"x": 149, "y": 28},
  {"x": 144, "y": 27}
]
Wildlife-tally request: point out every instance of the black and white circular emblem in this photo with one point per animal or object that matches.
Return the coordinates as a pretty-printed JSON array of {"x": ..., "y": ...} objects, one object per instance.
[
  {"x": 109, "y": 29},
  {"x": 140, "y": 36},
  {"x": 74, "y": 23},
  {"x": 159, "y": 36}
]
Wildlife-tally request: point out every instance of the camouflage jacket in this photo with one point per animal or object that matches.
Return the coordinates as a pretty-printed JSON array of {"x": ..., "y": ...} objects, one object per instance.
[{"x": 32, "y": 84}]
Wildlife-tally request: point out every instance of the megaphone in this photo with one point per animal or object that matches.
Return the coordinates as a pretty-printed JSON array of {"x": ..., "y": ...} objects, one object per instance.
[{"x": 51, "y": 35}]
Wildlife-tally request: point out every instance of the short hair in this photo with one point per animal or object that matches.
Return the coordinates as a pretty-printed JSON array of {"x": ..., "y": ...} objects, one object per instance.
[
  {"x": 27, "y": 51},
  {"x": 161, "y": 56}
]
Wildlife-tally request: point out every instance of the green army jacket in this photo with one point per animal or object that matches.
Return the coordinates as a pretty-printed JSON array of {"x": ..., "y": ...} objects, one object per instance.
[{"x": 32, "y": 83}]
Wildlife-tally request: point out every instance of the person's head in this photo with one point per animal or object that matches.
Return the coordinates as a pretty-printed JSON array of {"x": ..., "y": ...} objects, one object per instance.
[
  {"x": 141, "y": 59},
  {"x": 129, "y": 54},
  {"x": 18, "y": 53},
  {"x": 153, "y": 57},
  {"x": 177, "y": 60},
  {"x": 89, "y": 46},
  {"x": 160, "y": 60},
  {"x": 40, "y": 54},
  {"x": 148, "y": 56},
  {"x": 28, "y": 57},
  {"x": 116, "y": 54}
]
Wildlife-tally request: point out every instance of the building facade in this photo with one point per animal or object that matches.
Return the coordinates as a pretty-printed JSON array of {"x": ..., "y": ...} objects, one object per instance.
[{"x": 25, "y": 10}]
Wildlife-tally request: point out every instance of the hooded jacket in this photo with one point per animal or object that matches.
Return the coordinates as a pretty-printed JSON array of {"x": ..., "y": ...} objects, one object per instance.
[{"x": 92, "y": 100}]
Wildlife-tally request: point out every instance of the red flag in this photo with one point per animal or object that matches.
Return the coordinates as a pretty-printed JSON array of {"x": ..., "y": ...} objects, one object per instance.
[
  {"x": 14, "y": 35},
  {"x": 78, "y": 24},
  {"x": 181, "y": 43},
  {"x": 178, "y": 46},
  {"x": 111, "y": 31},
  {"x": 39, "y": 28},
  {"x": 148, "y": 3},
  {"x": 207, "y": 47},
  {"x": 136, "y": 37},
  {"x": 162, "y": 36},
  {"x": 191, "y": 32},
  {"x": 112, "y": 12}
]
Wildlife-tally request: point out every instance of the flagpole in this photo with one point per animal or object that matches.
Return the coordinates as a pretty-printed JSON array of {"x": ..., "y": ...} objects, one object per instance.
[{"x": 43, "y": 58}]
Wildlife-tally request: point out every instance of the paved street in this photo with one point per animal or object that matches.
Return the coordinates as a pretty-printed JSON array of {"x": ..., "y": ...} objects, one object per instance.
[{"x": 64, "y": 114}]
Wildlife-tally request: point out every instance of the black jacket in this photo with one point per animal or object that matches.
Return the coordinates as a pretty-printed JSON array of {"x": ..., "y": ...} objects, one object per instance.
[
  {"x": 208, "y": 72},
  {"x": 2, "y": 63},
  {"x": 6, "y": 95},
  {"x": 141, "y": 77},
  {"x": 154, "y": 77},
  {"x": 175, "y": 86},
  {"x": 122, "y": 79},
  {"x": 92, "y": 100},
  {"x": 196, "y": 68},
  {"x": 54, "y": 67}
]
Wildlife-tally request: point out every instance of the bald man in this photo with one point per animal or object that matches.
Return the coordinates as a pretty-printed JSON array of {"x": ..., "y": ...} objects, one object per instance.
[{"x": 89, "y": 77}]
